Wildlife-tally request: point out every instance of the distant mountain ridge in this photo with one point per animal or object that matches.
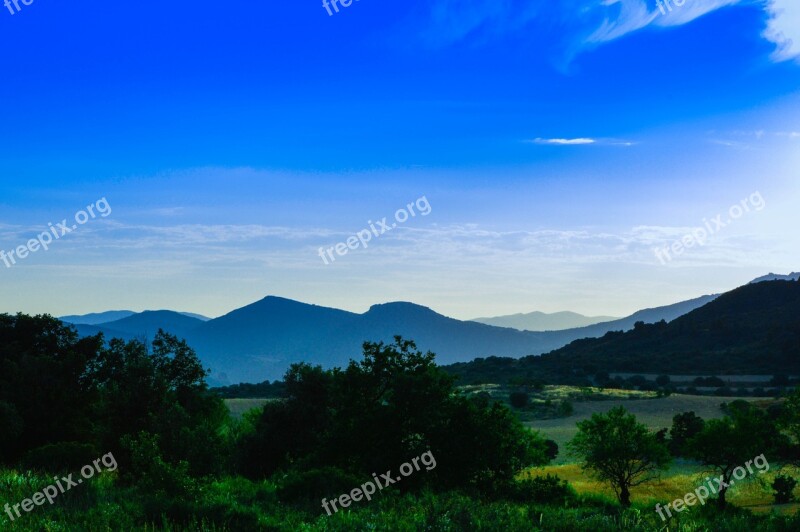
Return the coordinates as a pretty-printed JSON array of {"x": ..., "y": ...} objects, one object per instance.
[
  {"x": 752, "y": 329},
  {"x": 794, "y": 276},
  {"x": 96, "y": 318},
  {"x": 99, "y": 318},
  {"x": 540, "y": 321},
  {"x": 260, "y": 341}
]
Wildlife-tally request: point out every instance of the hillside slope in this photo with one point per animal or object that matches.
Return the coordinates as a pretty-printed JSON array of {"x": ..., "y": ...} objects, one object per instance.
[{"x": 754, "y": 329}]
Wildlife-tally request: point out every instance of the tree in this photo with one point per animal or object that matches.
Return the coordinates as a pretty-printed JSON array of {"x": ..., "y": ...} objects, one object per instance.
[
  {"x": 551, "y": 449},
  {"x": 157, "y": 393},
  {"x": 684, "y": 427},
  {"x": 617, "y": 449},
  {"x": 789, "y": 422},
  {"x": 728, "y": 443},
  {"x": 519, "y": 399},
  {"x": 663, "y": 380},
  {"x": 784, "y": 487},
  {"x": 44, "y": 395},
  {"x": 383, "y": 410}
]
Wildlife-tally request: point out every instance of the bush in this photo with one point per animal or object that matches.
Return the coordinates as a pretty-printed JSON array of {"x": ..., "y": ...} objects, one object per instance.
[
  {"x": 551, "y": 449},
  {"x": 565, "y": 408},
  {"x": 12, "y": 425},
  {"x": 784, "y": 486},
  {"x": 637, "y": 380},
  {"x": 151, "y": 474},
  {"x": 544, "y": 490},
  {"x": 312, "y": 486},
  {"x": 60, "y": 457},
  {"x": 519, "y": 399}
]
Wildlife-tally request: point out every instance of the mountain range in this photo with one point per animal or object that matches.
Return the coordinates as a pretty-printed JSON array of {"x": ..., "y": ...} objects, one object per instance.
[
  {"x": 99, "y": 318},
  {"x": 540, "y": 321},
  {"x": 259, "y": 341},
  {"x": 754, "y": 330},
  {"x": 794, "y": 276}
]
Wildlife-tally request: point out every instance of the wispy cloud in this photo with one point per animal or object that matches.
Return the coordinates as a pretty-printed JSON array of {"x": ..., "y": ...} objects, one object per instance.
[
  {"x": 747, "y": 139},
  {"x": 783, "y": 28},
  {"x": 580, "y": 141},
  {"x": 589, "y": 24},
  {"x": 564, "y": 142}
]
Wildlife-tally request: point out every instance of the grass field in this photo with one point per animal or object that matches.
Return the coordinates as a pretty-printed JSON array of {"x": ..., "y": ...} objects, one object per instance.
[
  {"x": 239, "y": 406},
  {"x": 655, "y": 413},
  {"x": 753, "y": 492}
]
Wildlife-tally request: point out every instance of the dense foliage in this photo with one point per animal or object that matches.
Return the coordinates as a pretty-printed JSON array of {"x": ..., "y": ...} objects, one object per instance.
[
  {"x": 380, "y": 412},
  {"x": 185, "y": 464}
]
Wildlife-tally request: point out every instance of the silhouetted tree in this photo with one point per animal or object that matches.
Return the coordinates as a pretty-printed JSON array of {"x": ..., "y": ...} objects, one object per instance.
[
  {"x": 684, "y": 426},
  {"x": 617, "y": 449},
  {"x": 727, "y": 443}
]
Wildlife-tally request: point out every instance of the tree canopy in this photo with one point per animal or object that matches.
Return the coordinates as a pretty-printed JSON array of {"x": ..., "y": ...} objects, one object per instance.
[{"x": 617, "y": 449}]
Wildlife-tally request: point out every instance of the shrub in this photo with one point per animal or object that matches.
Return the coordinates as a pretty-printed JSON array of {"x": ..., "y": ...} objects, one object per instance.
[
  {"x": 551, "y": 449},
  {"x": 60, "y": 457},
  {"x": 784, "y": 486},
  {"x": 519, "y": 399},
  {"x": 12, "y": 425},
  {"x": 637, "y": 380},
  {"x": 315, "y": 484},
  {"x": 549, "y": 489},
  {"x": 153, "y": 475}
]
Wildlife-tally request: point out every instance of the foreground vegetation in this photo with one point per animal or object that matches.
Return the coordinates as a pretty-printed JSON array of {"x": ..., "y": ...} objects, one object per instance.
[
  {"x": 185, "y": 463},
  {"x": 237, "y": 504}
]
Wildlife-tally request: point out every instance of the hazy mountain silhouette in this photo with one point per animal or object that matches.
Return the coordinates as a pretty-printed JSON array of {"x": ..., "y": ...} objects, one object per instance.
[
  {"x": 260, "y": 341},
  {"x": 753, "y": 329},
  {"x": 794, "y": 276},
  {"x": 150, "y": 321},
  {"x": 97, "y": 318},
  {"x": 540, "y": 321},
  {"x": 101, "y": 318},
  {"x": 143, "y": 325}
]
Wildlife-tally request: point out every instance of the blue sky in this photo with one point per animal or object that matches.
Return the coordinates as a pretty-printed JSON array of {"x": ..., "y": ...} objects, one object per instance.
[{"x": 557, "y": 142}]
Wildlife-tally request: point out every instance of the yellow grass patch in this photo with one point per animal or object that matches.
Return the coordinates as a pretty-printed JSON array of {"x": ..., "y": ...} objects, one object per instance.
[{"x": 753, "y": 492}]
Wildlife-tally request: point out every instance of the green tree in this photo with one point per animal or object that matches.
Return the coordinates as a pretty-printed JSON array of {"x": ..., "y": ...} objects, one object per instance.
[
  {"x": 158, "y": 390},
  {"x": 727, "y": 443},
  {"x": 617, "y": 449},
  {"x": 44, "y": 393},
  {"x": 378, "y": 413},
  {"x": 663, "y": 380},
  {"x": 789, "y": 422},
  {"x": 784, "y": 489},
  {"x": 519, "y": 399},
  {"x": 684, "y": 427}
]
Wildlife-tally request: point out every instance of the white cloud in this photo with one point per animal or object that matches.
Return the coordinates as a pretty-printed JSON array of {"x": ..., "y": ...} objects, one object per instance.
[
  {"x": 564, "y": 142},
  {"x": 626, "y": 16},
  {"x": 783, "y": 28},
  {"x": 588, "y": 24},
  {"x": 580, "y": 141}
]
